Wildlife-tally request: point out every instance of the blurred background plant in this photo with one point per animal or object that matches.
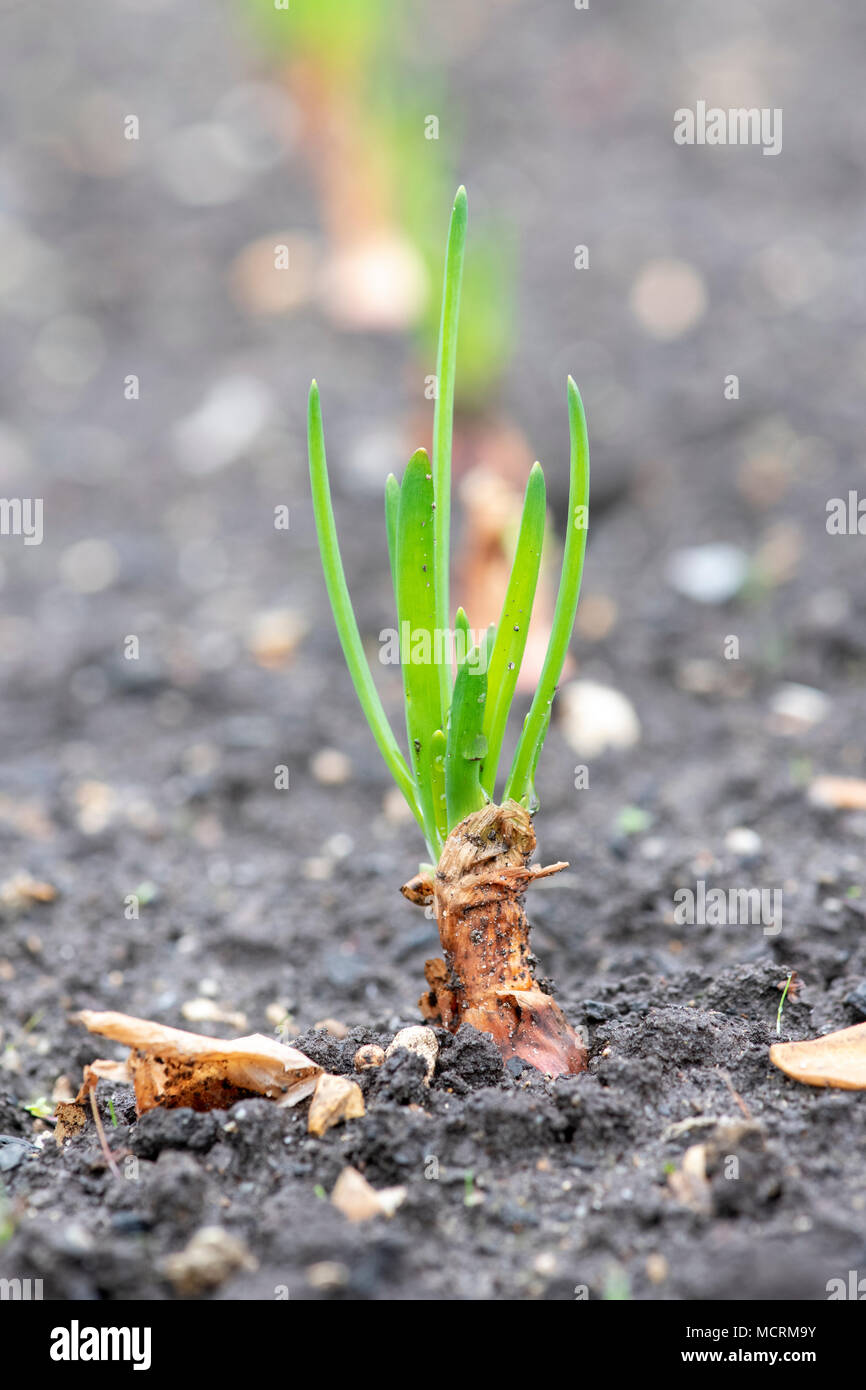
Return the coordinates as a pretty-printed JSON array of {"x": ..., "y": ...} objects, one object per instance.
[{"x": 382, "y": 146}]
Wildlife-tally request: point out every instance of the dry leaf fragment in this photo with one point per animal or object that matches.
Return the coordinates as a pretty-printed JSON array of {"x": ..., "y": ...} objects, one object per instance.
[
  {"x": 336, "y": 1098},
  {"x": 30, "y": 819},
  {"x": 358, "y": 1201},
  {"x": 103, "y": 1069},
  {"x": 71, "y": 1119},
  {"x": 209, "y": 1011},
  {"x": 207, "y": 1261},
  {"x": 837, "y": 1059},
  {"x": 839, "y": 793},
  {"x": 172, "y": 1068},
  {"x": 21, "y": 890}
]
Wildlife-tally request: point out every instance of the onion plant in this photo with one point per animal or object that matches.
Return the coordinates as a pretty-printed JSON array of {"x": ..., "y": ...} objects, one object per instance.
[{"x": 457, "y": 710}]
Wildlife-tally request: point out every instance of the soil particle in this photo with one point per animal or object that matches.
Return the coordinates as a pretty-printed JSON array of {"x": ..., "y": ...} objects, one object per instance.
[
  {"x": 14, "y": 1119},
  {"x": 175, "y": 1129},
  {"x": 403, "y": 1079},
  {"x": 174, "y": 1191},
  {"x": 597, "y": 1118},
  {"x": 499, "y": 1123},
  {"x": 856, "y": 1001},
  {"x": 674, "y": 1037},
  {"x": 391, "y": 1143},
  {"x": 746, "y": 1174},
  {"x": 14, "y": 1150},
  {"x": 337, "y": 1055},
  {"x": 469, "y": 1059}
]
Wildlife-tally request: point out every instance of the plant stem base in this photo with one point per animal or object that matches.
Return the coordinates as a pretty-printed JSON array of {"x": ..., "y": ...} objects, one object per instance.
[{"x": 487, "y": 977}]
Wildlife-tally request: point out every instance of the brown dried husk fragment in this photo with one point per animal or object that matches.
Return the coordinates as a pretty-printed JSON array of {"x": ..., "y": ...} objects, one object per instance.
[
  {"x": 488, "y": 975},
  {"x": 335, "y": 1099},
  {"x": 171, "y": 1068},
  {"x": 71, "y": 1119},
  {"x": 836, "y": 1059}
]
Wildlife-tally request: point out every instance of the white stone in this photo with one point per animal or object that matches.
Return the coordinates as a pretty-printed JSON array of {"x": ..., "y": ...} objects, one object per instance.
[
  {"x": 421, "y": 1041},
  {"x": 796, "y": 707},
  {"x": 743, "y": 842},
  {"x": 708, "y": 573},
  {"x": 596, "y": 717}
]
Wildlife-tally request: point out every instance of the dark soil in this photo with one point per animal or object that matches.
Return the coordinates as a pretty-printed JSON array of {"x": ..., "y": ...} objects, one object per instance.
[{"x": 155, "y": 777}]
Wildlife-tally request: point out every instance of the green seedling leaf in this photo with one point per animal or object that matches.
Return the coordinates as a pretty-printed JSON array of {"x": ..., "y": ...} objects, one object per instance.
[
  {"x": 392, "y": 508},
  {"x": 531, "y": 797},
  {"x": 7, "y": 1224},
  {"x": 416, "y": 614},
  {"x": 461, "y": 632},
  {"x": 443, "y": 427},
  {"x": 40, "y": 1108},
  {"x": 455, "y": 743},
  {"x": 521, "y": 780},
  {"x": 513, "y": 626},
  {"x": 437, "y": 783},
  {"x": 344, "y": 616},
  {"x": 467, "y": 745}
]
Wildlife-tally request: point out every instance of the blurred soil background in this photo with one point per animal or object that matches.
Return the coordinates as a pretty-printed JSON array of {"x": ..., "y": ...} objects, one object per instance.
[{"x": 152, "y": 258}]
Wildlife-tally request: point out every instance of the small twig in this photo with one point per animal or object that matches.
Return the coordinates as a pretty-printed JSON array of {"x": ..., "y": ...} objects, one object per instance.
[
  {"x": 735, "y": 1095},
  {"x": 109, "y": 1157}
]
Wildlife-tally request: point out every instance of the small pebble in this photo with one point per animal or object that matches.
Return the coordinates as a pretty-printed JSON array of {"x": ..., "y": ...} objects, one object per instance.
[
  {"x": 371, "y": 1055},
  {"x": 420, "y": 1040},
  {"x": 359, "y": 1201},
  {"x": 711, "y": 574},
  {"x": 743, "y": 842},
  {"x": 317, "y": 869},
  {"x": 839, "y": 793},
  {"x": 595, "y": 718},
  {"x": 657, "y": 1269},
  {"x": 668, "y": 298},
  {"x": 332, "y": 1026},
  {"x": 209, "y": 1259},
  {"x": 327, "y": 1274},
  {"x": 330, "y": 767},
  {"x": 274, "y": 636},
  {"x": 794, "y": 708}
]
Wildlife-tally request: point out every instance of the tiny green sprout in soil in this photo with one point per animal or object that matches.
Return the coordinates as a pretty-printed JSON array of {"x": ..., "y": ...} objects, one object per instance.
[
  {"x": 7, "y": 1224},
  {"x": 41, "y": 1108},
  {"x": 617, "y": 1288},
  {"x": 633, "y": 820},
  {"x": 457, "y": 703},
  {"x": 782, "y": 1004}
]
